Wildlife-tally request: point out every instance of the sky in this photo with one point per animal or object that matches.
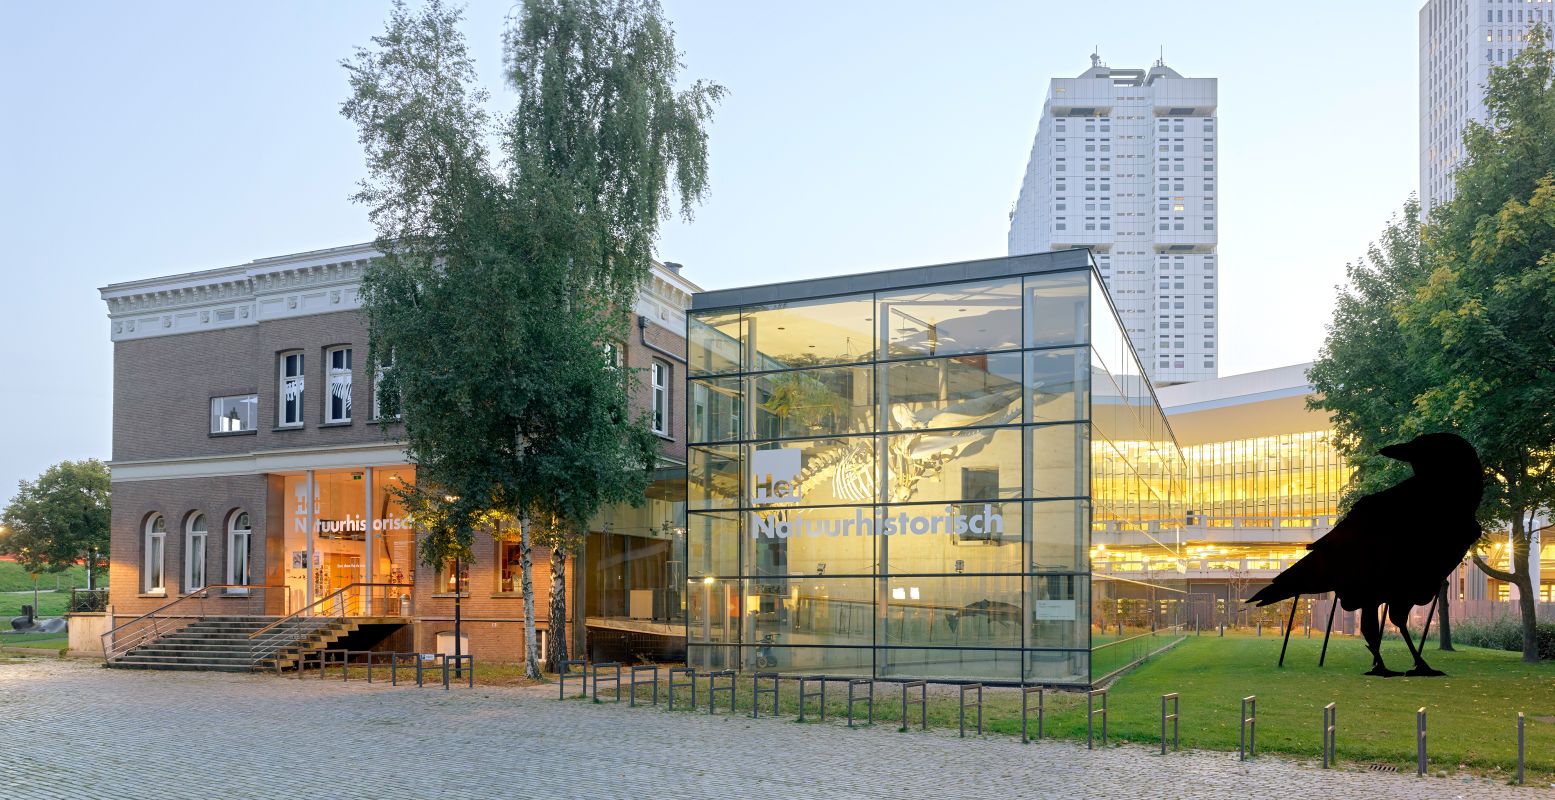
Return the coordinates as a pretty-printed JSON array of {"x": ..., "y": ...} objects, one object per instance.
[{"x": 159, "y": 137}]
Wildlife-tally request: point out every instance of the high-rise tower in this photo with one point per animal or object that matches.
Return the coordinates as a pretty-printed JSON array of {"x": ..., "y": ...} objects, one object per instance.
[
  {"x": 1460, "y": 40},
  {"x": 1124, "y": 163}
]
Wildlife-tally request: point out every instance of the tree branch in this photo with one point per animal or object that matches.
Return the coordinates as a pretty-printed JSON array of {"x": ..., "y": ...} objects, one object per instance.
[{"x": 1492, "y": 571}]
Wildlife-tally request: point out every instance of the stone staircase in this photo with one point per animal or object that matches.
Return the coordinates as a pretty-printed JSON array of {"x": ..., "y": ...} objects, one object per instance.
[{"x": 223, "y": 644}]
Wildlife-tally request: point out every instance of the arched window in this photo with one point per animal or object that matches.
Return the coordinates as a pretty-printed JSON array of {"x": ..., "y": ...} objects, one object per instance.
[
  {"x": 152, "y": 579},
  {"x": 194, "y": 553},
  {"x": 240, "y": 537}
]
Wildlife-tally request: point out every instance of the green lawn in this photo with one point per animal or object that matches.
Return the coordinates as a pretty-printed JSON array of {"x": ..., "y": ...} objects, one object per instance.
[
  {"x": 50, "y": 604},
  {"x": 35, "y": 640},
  {"x": 13, "y": 578}
]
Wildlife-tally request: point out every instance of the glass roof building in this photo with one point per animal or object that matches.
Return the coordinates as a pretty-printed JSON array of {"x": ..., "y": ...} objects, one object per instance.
[{"x": 896, "y": 474}]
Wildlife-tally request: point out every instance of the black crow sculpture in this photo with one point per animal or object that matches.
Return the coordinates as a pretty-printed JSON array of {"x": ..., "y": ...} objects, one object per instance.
[{"x": 1395, "y": 547}]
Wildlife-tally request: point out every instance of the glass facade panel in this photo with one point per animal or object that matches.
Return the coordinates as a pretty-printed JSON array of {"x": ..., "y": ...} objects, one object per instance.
[
  {"x": 954, "y": 465},
  {"x": 951, "y": 392},
  {"x": 794, "y": 335},
  {"x": 822, "y": 472},
  {"x": 713, "y": 343},
  {"x": 1057, "y": 309},
  {"x": 946, "y": 320},
  {"x": 715, "y": 409},
  {"x": 815, "y": 402},
  {"x": 919, "y": 481},
  {"x": 1059, "y": 385},
  {"x": 960, "y": 537}
]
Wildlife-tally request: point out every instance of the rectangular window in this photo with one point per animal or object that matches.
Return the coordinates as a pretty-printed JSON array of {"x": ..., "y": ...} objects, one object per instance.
[
  {"x": 235, "y": 414},
  {"x": 337, "y": 406},
  {"x": 443, "y": 581},
  {"x": 291, "y": 390},
  {"x": 379, "y": 410},
  {"x": 660, "y": 383}
]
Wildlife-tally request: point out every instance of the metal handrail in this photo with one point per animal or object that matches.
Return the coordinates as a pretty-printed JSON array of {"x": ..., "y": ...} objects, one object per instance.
[
  {"x": 150, "y": 628},
  {"x": 335, "y": 597}
]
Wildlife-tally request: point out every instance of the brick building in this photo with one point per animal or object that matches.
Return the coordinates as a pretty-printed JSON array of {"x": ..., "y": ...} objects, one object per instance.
[{"x": 249, "y": 456}]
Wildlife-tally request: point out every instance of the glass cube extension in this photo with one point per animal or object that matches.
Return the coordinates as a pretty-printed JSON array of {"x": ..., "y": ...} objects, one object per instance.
[{"x": 897, "y": 474}]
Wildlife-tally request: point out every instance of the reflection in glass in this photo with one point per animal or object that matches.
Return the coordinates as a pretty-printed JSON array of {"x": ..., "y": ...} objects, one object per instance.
[
  {"x": 713, "y": 476},
  {"x": 1056, "y": 460},
  {"x": 831, "y": 472},
  {"x": 715, "y": 409},
  {"x": 945, "y": 320},
  {"x": 1058, "y": 611},
  {"x": 957, "y": 611},
  {"x": 792, "y": 335},
  {"x": 1058, "y": 535},
  {"x": 1058, "y": 381},
  {"x": 713, "y": 609},
  {"x": 955, "y": 465},
  {"x": 812, "y": 541},
  {"x": 713, "y": 544},
  {"x": 813, "y": 402},
  {"x": 713, "y": 342},
  {"x": 1057, "y": 308},
  {"x": 969, "y": 537},
  {"x": 810, "y": 611},
  {"x": 952, "y": 392}
]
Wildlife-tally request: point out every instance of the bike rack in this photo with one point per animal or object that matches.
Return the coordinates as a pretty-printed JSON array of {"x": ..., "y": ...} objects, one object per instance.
[
  {"x": 1420, "y": 760},
  {"x": 1025, "y": 699},
  {"x": 1176, "y": 706},
  {"x": 713, "y": 689},
  {"x": 967, "y": 687},
  {"x": 637, "y": 670},
  {"x": 1248, "y": 746},
  {"x": 1090, "y": 717},
  {"x": 1519, "y": 748},
  {"x": 561, "y": 678},
  {"x": 805, "y": 695},
  {"x": 922, "y": 701},
  {"x": 757, "y": 692},
  {"x": 394, "y": 665},
  {"x": 868, "y": 699},
  {"x": 459, "y": 663},
  {"x": 1330, "y": 725},
  {"x": 689, "y": 672},
  {"x": 324, "y": 660},
  {"x": 615, "y": 679}
]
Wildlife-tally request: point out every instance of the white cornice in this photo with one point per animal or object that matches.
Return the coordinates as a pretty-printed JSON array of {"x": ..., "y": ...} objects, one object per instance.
[
  {"x": 260, "y": 462},
  {"x": 315, "y": 282}
]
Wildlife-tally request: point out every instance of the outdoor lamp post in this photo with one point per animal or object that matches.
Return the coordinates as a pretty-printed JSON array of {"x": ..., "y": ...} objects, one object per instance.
[{"x": 458, "y": 591}]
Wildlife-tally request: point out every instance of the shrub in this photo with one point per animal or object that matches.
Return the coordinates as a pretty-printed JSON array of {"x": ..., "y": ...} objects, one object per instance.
[{"x": 1505, "y": 633}]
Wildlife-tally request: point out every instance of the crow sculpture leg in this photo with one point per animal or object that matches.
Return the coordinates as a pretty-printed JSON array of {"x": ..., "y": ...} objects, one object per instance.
[
  {"x": 1399, "y": 615},
  {"x": 1371, "y": 628}
]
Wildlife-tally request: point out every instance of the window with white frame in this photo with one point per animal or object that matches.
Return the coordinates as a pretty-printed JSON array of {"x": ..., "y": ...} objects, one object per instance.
[
  {"x": 291, "y": 390},
  {"x": 194, "y": 553},
  {"x": 240, "y": 536},
  {"x": 379, "y": 412},
  {"x": 153, "y": 581},
  {"x": 337, "y": 404},
  {"x": 660, "y": 382},
  {"x": 235, "y": 414}
]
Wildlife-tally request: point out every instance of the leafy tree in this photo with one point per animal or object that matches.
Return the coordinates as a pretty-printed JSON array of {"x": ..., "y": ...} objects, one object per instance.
[
  {"x": 503, "y": 276},
  {"x": 1488, "y": 310},
  {"x": 60, "y": 519}
]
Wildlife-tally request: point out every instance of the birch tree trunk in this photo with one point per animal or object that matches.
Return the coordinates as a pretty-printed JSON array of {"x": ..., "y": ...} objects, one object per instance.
[
  {"x": 556, "y": 653},
  {"x": 527, "y": 587}
]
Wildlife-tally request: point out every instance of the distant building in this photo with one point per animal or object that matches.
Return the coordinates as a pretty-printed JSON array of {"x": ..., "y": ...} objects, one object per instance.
[
  {"x": 1124, "y": 163},
  {"x": 1460, "y": 40}
]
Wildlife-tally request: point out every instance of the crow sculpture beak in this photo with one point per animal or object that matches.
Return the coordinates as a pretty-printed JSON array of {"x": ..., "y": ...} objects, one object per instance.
[{"x": 1397, "y": 452}]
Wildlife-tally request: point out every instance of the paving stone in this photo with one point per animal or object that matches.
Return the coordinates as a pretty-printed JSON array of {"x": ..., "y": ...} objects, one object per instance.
[{"x": 71, "y": 729}]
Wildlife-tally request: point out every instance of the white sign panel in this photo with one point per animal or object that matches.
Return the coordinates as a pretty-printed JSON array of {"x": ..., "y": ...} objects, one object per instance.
[
  {"x": 775, "y": 476},
  {"x": 1053, "y": 609}
]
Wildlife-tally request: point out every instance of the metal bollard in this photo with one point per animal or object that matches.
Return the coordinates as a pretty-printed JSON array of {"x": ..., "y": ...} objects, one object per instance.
[
  {"x": 805, "y": 695},
  {"x": 869, "y": 698},
  {"x": 1090, "y": 717},
  {"x": 637, "y": 670},
  {"x": 923, "y": 703},
  {"x": 967, "y": 687},
  {"x": 1519, "y": 748},
  {"x": 1173, "y": 717},
  {"x": 1222, "y": 630},
  {"x": 1260, "y": 628},
  {"x": 757, "y": 692},
  {"x": 1330, "y": 725},
  {"x": 689, "y": 672},
  {"x": 1420, "y": 760},
  {"x": 1025, "y": 695},
  {"x": 1248, "y": 747}
]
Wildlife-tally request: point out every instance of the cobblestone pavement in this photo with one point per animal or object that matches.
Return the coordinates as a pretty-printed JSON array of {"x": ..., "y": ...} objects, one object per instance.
[{"x": 75, "y": 730}]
